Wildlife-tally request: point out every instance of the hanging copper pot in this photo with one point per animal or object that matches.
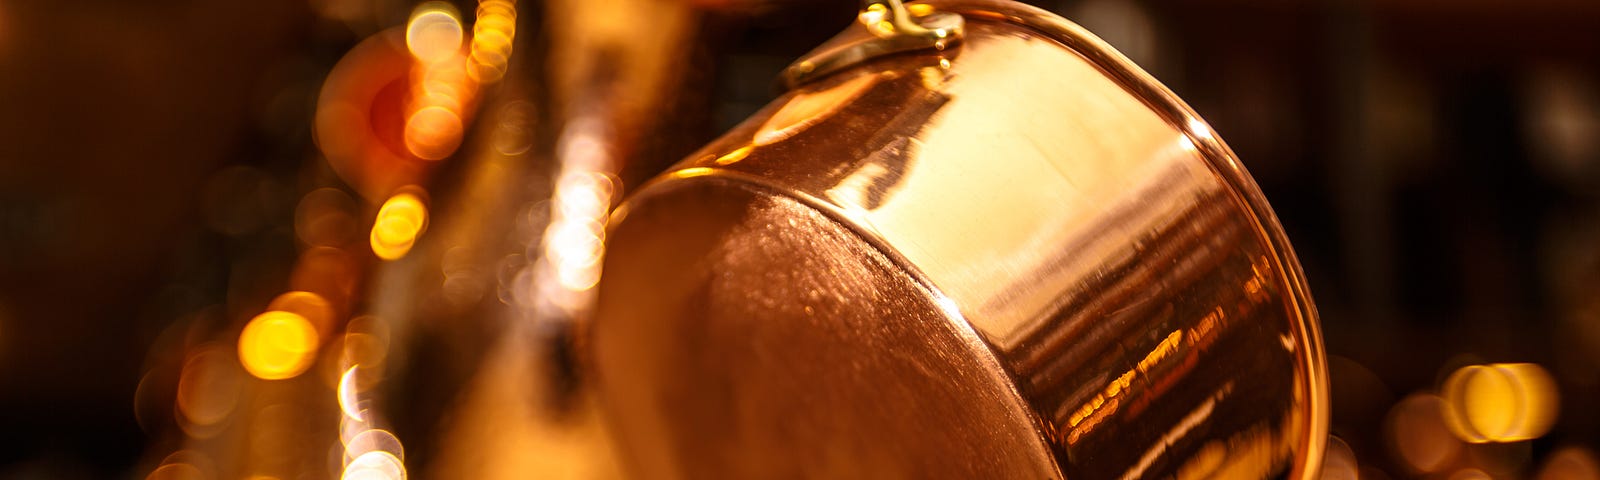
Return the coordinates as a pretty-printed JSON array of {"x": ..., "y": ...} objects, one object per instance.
[{"x": 972, "y": 241}]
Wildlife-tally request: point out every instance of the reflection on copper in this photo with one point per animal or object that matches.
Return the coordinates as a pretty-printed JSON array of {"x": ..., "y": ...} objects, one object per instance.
[
  {"x": 1503, "y": 402},
  {"x": 1095, "y": 240},
  {"x": 277, "y": 345},
  {"x": 1195, "y": 418},
  {"x": 807, "y": 109},
  {"x": 400, "y": 220},
  {"x": 1571, "y": 463},
  {"x": 1418, "y": 436},
  {"x": 1201, "y": 257},
  {"x": 734, "y": 156}
]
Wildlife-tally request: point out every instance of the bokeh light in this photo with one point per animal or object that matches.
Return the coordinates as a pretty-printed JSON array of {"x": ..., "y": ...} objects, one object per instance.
[
  {"x": 434, "y": 32},
  {"x": 374, "y": 465},
  {"x": 375, "y": 440},
  {"x": 1339, "y": 463},
  {"x": 309, "y": 306},
  {"x": 177, "y": 471},
  {"x": 575, "y": 238},
  {"x": 326, "y": 271},
  {"x": 184, "y": 465},
  {"x": 277, "y": 345},
  {"x": 433, "y": 132},
  {"x": 492, "y": 35},
  {"x": 326, "y": 217},
  {"x": 442, "y": 85},
  {"x": 401, "y": 219},
  {"x": 1571, "y": 463},
  {"x": 1418, "y": 436},
  {"x": 1504, "y": 402},
  {"x": 208, "y": 388},
  {"x": 361, "y": 115},
  {"x": 347, "y": 394}
]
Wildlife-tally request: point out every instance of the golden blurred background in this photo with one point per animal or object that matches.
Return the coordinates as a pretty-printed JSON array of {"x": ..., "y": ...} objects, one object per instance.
[{"x": 348, "y": 238}]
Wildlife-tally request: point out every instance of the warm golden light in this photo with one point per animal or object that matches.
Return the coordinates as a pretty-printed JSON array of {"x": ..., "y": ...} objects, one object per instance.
[
  {"x": 434, "y": 32},
  {"x": 375, "y": 465},
  {"x": 492, "y": 36},
  {"x": 208, "y": 387},
  {"x": 1503, "y": 402},
  {"x": 347, "y": 394},
  {"x": 374, "y": 440},
  {"x": 442, "y": 88},
  {"x": 309, "y": 306},
  {"x": 400, "y": 220},
  {"x": 277, "y": 345},
  {"x": 433, "y": 133},
  {"x": 329, "y": 272},
  {"x": 1571, "y": 463},
  {"x": 805, "y": 110},
  {"x": 575, "y": 239},
  {"x": 1418, "y": 435},
  {"x": 366, "y": 343}
]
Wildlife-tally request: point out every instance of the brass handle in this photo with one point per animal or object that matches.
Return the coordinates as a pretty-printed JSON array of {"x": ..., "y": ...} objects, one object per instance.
[
  {"x": 900, "y": 22},
  {"x": 893, "y": 26}
]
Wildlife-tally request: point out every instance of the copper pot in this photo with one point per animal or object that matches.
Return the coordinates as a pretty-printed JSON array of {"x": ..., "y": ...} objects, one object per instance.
[{"x": 981, "y": 244}]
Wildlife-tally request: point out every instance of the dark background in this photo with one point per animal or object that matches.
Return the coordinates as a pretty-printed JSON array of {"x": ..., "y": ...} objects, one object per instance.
[{"x": 1436, "y": 164}]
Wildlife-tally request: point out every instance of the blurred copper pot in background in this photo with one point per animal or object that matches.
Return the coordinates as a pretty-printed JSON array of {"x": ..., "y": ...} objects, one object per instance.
[{"x": 1002, "y": 253}]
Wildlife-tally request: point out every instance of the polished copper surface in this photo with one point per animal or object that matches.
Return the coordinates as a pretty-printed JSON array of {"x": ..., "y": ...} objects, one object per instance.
[{"x": 1015, "y": 257}]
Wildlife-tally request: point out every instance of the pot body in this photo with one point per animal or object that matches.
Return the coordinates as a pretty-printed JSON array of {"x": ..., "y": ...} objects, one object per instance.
[{"x": 1016, "y": 257}]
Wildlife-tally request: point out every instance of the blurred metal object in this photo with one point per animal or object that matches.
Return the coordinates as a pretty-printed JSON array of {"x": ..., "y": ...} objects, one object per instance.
[{"x": 1015, "y": 257}]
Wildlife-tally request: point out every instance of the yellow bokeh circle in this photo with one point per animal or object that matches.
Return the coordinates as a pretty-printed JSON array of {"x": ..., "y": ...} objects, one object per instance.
[{"x": 277, "y": 345}]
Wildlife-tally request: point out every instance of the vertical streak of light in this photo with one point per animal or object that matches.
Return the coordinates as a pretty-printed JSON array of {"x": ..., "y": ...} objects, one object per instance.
[
  {"x": 370, "y": 452},
  {"x": 493, "y": 34},
  {"x": 442, "y": 90},
  {"x": 568, "y": 258}
]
